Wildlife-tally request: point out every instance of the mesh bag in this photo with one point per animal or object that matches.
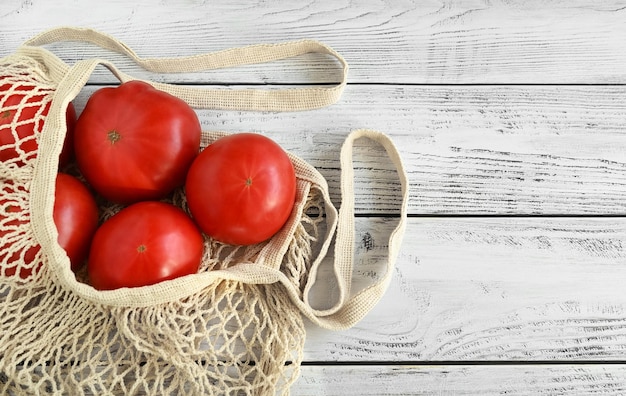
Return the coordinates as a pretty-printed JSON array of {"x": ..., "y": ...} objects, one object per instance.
[{"x": 236, "y": 326}]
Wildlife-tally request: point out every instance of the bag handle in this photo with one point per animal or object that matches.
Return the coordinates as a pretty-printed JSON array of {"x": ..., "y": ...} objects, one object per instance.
[
  {"x": 348, "y": 310},
  {"x": 290, "y": 99}
]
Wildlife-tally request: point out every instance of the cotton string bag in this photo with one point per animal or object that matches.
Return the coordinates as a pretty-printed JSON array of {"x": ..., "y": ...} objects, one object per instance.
[{"x": 237, "y": 326}]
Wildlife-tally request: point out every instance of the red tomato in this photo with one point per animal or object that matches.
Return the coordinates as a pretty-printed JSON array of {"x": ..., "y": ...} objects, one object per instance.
[
  {"x": 241, "y": 189},
  {"x": 143, "y": 244},
  {"x": 22, "y": 114},
  {"x": 76, "y": 217},
  {"x": 14, "y": 221},
  {"x": 135, "y": 143}
]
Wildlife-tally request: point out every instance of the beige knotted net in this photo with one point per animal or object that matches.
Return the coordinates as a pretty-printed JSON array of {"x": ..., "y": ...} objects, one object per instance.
[{"x": 236, "y": 327}]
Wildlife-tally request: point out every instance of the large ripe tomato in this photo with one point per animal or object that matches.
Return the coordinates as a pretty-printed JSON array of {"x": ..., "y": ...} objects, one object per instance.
[
  {"x": 23, "y": 110},
  {"x": 241, "y": 189},
  {"x": 76, "y": 218},
  {"x": 75, "y": 215},
  {"x": 143, "y": 244},
  {"x": 134, "y": 142}
]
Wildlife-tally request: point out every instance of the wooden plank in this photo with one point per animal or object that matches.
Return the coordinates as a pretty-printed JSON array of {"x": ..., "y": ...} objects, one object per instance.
[
  {"x": 462, "y": 380},
  {"x": 467, "y": 150},
  {"x": 389, "y": 42},
  {"x": 486, "y": 289}
]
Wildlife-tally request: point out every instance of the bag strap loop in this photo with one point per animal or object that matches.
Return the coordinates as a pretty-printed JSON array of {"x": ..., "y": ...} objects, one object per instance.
[
  {"x": 289, "y": 99},
  {"x": 349, "y": 309}
]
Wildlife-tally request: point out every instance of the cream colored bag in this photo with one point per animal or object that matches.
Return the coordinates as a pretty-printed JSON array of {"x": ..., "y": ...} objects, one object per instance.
[{"x": 237, "y": 326}]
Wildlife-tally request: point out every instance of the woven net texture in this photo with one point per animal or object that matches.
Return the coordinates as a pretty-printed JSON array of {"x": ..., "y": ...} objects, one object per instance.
[{"x": 231, "y": 338}]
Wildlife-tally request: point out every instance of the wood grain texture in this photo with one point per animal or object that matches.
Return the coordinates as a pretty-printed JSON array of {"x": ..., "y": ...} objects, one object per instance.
[
  {"x": 486, "y": 289},
  {"x": 510, "y": 111},
  {"x": 467, "y": 150},
  {"x": 462, "y": 380},
  {"x": 384, "y": 41}
]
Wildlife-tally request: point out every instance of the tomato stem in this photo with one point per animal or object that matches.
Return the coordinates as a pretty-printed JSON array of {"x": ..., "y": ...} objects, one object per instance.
[
  {"x": 114, "y": 136},
  {"x": 248, "y": 181},
  {"x": 141, "y": 248}
]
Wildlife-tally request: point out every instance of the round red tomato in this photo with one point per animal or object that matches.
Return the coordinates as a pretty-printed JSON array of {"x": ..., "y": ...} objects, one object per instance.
[
  {"x": 76, "y": 218},
  {"x": 241, "y": 189},
  {"x": 135, "y": 143},
  {"x": 16, "y": 250},
  {"x": 143, "y": 244},
  {"x": 23, "y": 110},
  {"x": 75, "y": 215}
]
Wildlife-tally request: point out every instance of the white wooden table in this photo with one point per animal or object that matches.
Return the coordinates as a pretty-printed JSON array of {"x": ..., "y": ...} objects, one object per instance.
[{"x": 511, "y": 119}]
